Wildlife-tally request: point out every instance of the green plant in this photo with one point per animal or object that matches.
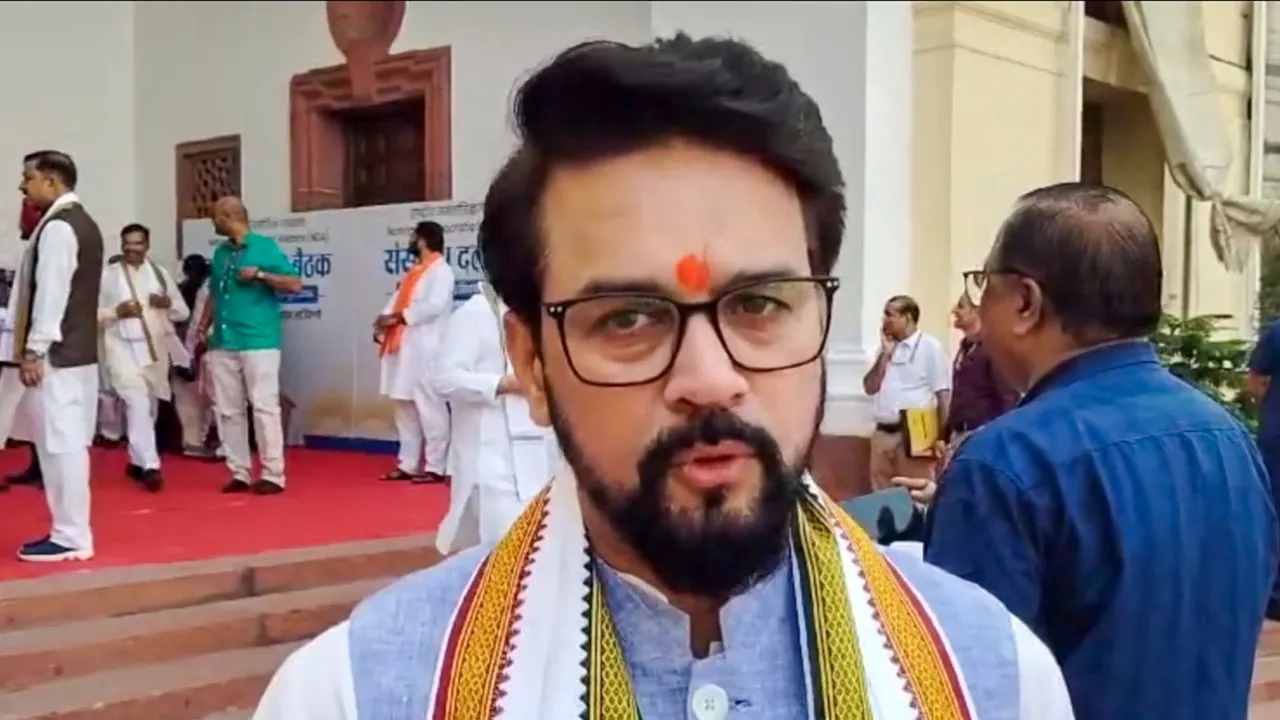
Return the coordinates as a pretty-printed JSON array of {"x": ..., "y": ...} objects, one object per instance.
[
  {"x": 1269, "y": 285},
  {"x": 1195, "y": 350}
]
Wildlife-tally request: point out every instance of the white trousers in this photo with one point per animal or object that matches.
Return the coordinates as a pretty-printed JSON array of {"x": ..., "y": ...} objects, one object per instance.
[
  {"x": 193, "y": 412},
  {"x": 409, "y": 430},
  {"x": 111, "y": 416},
  {"x": 140, "y": 425},
  {"x": 240, "y": 379},
  {"x": 61, "y": 414},
  {"x": 422, "y": 425}
]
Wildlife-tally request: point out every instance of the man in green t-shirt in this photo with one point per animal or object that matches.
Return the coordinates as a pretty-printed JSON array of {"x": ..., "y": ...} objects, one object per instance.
[{"x": 242, "y": 319}]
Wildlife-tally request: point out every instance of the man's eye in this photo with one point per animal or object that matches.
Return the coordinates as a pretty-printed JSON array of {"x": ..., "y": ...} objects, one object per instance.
[{"x": 755, "y": 305}]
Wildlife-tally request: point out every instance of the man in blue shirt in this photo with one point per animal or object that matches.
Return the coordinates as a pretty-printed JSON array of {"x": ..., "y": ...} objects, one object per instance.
[
  {"x": 1264, "y": 364},
  {"x": 1120, "y": 512}
]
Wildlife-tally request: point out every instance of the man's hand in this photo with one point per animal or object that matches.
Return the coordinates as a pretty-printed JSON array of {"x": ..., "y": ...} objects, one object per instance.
[
  {"x": 887, "y": 344},
  {"x": 128, "y": 309},
  {"x": 942, "y": 451},
  {"x": 389, "y": 320},
  {"x": 921, "y": 489},
  {"x": 160, "y": 301},
  {"x": 31, "y": 371},
  {"x": 510, "y": 385},
  {"x": 248, "y": 273}
]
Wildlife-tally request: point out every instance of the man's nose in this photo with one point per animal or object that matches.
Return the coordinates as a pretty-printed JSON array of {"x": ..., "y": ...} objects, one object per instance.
[{"x": 703, "y": 374}]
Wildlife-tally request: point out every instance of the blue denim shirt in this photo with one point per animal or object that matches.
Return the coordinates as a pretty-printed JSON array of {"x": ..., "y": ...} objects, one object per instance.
[
  {"x": 1265, "y": 361},
  {"x": 1127, "y": 518}
]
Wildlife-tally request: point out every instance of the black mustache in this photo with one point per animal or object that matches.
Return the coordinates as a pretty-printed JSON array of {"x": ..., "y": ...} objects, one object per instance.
[{"x": 708, "y": 429}]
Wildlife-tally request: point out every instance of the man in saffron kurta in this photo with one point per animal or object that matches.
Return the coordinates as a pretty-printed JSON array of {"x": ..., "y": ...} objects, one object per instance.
[
  {"x": 409, "y": 332},
  {"x": 664, "y": 236}
]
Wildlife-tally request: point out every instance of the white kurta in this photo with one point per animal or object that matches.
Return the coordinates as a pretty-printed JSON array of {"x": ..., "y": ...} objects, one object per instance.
[
  {"x": 128, "y": 356},
  {"x": 426, "y": 318},
  {"x": 59, "y": 415},
  {"x": 63, "y": 411},
  {"x": 498, "y": 458},
  {"x": 11, "y": 388}
]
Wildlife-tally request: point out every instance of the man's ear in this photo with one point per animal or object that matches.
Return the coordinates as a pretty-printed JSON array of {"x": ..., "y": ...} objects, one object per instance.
[{"x": 525, "y": 360}]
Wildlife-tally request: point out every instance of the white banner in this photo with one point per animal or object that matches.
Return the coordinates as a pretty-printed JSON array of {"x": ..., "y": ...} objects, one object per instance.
[{"x": 351, "y": 262}]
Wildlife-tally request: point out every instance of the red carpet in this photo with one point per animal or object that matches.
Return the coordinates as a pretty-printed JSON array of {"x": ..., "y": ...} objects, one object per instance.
[{"x": 332, "y": 497}]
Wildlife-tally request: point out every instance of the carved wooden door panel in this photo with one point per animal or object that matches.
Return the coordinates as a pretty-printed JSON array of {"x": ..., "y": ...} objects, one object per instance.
[
  {"x": 385, "y": 156},
  {"x": 206, "y": 171}
]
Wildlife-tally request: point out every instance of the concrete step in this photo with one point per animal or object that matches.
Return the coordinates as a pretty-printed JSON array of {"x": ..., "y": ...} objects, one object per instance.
[
  {"x": 248, "y": 715},
  {"x": 43, "y": 654},
  {"x": 1269, "y": 643},
  {"x": 120, "y": 592},
  {"x": 1266, "y": 680},
  {"x": 187, "y": 689}
]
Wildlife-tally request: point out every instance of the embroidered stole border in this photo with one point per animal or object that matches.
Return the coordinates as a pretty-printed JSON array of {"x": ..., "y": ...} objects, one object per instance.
[{"x": 476, "y": 657}]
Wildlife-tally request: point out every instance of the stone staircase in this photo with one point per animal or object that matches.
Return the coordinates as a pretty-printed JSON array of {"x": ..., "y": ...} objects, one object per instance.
[
  {"x": 190, "y": 641},
  {"x": 1264, "y": 698},
  {"x": 200, "y": 641}
]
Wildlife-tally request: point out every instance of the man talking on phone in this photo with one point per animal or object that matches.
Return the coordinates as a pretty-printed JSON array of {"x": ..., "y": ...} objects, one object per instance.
[{"x": 911, "y": 372}]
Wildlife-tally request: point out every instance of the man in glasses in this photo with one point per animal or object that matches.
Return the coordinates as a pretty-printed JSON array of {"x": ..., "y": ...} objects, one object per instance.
[
  {"x": 663, "y": 237},
  {"x": 1121, "y": 513}
]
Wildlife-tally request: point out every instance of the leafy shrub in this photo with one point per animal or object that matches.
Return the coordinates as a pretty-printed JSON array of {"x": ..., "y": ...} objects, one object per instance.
[{"x": 1195, "y": 350}]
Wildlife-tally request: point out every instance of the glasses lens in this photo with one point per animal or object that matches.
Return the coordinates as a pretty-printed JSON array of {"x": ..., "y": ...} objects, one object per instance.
[
  {"x": 974, "y": 280},
  {"x": 621, "y": 339},
  {"x": 774, "y": 325},
  {"x": 632, "y": 339}
]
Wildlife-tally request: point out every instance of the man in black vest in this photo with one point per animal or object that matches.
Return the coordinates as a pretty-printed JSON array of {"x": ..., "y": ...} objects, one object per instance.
[{"x": 59, "y": 363}]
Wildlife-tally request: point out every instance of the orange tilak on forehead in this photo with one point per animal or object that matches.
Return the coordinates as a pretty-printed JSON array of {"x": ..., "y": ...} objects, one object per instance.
[{"x": 693, "y": 274}]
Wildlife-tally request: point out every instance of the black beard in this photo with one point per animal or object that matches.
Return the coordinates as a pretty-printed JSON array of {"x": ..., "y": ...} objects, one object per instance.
[{"x": 721, "y": 553}]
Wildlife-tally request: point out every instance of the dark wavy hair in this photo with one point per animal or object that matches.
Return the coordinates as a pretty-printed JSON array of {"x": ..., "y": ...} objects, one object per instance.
[{"x": 600, "y": 100}]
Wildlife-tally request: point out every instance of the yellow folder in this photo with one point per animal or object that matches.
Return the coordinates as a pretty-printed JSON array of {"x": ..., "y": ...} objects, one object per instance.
[{"x": 920, "y": 427}]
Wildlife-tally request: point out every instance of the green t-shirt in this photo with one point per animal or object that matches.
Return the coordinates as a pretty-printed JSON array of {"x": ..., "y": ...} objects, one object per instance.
[{"x": 246, "y": 315}]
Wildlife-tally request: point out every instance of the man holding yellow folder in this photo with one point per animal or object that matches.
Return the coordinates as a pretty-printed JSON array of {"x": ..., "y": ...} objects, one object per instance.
[{"x": 910, "y": 385}]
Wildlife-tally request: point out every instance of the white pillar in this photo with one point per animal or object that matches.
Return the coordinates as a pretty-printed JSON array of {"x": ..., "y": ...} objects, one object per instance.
[{"x": 854, "y": 58}]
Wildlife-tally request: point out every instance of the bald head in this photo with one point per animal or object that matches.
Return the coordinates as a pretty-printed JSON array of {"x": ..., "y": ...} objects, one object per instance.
[
  {"x": 230, "y": 218},
  {"x": 231, "y": 208},
  {"x": 1094, "y": 254}
]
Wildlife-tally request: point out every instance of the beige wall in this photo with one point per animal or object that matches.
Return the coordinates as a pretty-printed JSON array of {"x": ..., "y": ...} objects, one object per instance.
[{"x": 996, "y": 114}]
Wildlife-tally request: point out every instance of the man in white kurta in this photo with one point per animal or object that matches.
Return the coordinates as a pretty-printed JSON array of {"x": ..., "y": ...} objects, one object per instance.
[
  {"x": 499, "y": 458},
  {"x": 190, "y": 399},
  {"x": 409, "y": 331},
  {"x": 59, "y": 361},
  {"x": 138, "y": 305}
]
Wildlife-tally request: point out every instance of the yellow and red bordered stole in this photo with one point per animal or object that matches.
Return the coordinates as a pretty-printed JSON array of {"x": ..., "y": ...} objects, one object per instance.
[{"x": 532, "y": 636}]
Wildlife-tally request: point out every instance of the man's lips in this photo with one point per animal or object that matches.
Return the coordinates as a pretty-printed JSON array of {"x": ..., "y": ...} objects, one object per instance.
[
  {"x": 720, "y": 451},
  {"x": 711, "y": 466}
]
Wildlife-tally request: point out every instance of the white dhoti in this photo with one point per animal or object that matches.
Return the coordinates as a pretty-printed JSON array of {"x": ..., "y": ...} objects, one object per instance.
[{"x": 59, "y": 417}]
